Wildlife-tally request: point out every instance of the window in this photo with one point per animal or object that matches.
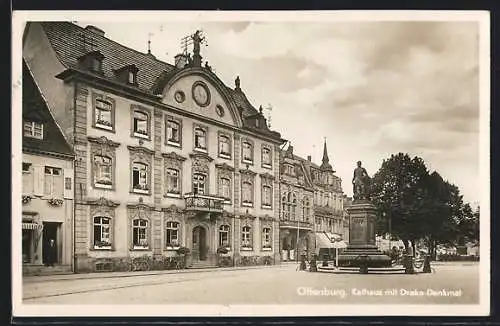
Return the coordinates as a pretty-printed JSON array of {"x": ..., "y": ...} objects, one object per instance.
[
  {"x": 224, "y": 146},
  {"x": 172, "y": 236},
  {"x": 293, "y": 207},
  {"x": 103, "y": 175},
  {"x": 67, "y": 183},
  {"x": 131, "y": 77},
  {"x": 266, "y": 238},
  {"x": 199, "y": 181},
  {"x": 173, "y": 133},
  {"x": 289, "y": 169},
  {"x": 53, "y": 181},
  {"x": 246, "y": 192},
  {"x": 28, "y": 182},
  {"x": 102, "y": 233},
  {"x": 173, "y": 181},
  {"x": 103, "y": 114},
  {"x": 140, "y": 229},
  {"x": 247, "y": 154},
  {"x": 266, "y": 157},
  {"x": 224, "y": 236},
  {"x": 140, "y": 177},
  {"x": 284, "y": 210},
  {"x": 246, "y": 238},
  {"x": 33, "y": 129},
  {"x": 141, "y": 125},
  {"x": 96, "y": 65},
  {"x": 200, "y": 139},
  {"x": 266, "y": 196},
  {"x": 26, "y": 167},
  {"x": 225, "y": 188}
]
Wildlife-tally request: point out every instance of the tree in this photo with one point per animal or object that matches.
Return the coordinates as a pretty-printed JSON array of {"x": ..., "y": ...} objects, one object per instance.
[{"x": 398, "y": 192}]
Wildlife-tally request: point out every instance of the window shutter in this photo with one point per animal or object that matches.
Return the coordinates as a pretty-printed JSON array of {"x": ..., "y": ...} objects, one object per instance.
[
  {"x": 68, "y": 193},
  {"x": 38, "y": 175}
]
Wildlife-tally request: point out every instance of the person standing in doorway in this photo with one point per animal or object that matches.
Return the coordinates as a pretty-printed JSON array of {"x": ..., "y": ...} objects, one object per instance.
[{"x": 51, "y": 254}]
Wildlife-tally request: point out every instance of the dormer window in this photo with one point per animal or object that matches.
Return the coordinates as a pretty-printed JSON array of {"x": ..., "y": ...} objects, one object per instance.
[
  {"x": 33, "y": 129},
  {"x": 92, "y": 61},
  {"x": 289, "y": 169},
  {"x": 127, "y": 74}
]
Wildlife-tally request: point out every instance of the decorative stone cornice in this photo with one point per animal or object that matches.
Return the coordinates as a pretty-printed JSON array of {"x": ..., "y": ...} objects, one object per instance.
[
  {"x": 174, "y": 156},
  {"x": 173, "y": 209},
  {"x": 224, "y": 166},
  {"x": 267, "y": 175},
  {"x": 248, "y": 172},
  {"x": 198, "y": 155},
  {"x": 266, "y": 218},
  {"x": 140, "y": 206},
  {"x": 247, "y": 216},
  {"x": 103, "y": 141},
  {"x": 141, "y": 149},
  {"x": 102, "y": 202}
]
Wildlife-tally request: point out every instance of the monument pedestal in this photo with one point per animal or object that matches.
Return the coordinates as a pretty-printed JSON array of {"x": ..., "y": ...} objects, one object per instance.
[{"x": 362, "y": 250}]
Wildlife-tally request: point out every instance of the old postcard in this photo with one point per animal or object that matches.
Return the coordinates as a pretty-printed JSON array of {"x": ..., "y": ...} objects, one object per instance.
[{"x": 251, "y": 163}]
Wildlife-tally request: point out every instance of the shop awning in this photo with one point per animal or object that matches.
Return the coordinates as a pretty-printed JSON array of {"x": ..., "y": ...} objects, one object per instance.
[
  {"x": 322, "y": 241},
  {"x": 32, "y": 226}
]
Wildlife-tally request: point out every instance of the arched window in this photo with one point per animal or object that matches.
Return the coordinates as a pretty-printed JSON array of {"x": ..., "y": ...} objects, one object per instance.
[
  {"x": 141, "y": 124},
  {"x": 224, "y": 146},
  {"x": 140, "y": 233},
  {"x": 102, "y": 232},
  {"x": 246, "y": 237},
  {"x": 140, "y": 176},
  {"x": 173, "y": 182},
  {"x": 225, "y": 188},
  {"x": 293, "y": 207},
  {"x": 200, "y": 138},
  {"x": 172, "y": 234},
  {"x": 284, "y": 204},
  {"x": 247, "y": 192},
  {"x": 199, "y": 183},
  {"x": 266, "y": 238},
  {"x": 224, "y": 236},
  {"x": 103, "y": 175}
]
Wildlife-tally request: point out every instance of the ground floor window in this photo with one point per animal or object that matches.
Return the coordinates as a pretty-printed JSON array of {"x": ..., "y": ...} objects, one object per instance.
[
  {"x": 140, "y": 230},
  {"x": 172, "y": 234},
  {"x": 224, "y": 236},
  {"x": 102, "y": 232}
]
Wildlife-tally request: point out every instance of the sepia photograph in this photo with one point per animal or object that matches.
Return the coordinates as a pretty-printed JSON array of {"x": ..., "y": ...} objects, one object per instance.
[{"x": 251, "y": 163}]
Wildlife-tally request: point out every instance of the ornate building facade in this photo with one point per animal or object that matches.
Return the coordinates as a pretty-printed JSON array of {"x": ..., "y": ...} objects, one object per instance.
[
  {"x": 312, "y": 200},
  {"x": 167, "y": 156},
  {"x": 47, "y": 187}
]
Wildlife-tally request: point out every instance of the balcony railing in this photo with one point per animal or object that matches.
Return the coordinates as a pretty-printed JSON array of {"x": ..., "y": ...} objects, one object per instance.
[
  {"x": 204, "y": 203},
  {"x": 294, "y": 224}
]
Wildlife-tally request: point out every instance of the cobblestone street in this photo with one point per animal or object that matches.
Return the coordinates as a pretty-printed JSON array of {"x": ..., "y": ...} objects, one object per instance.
[{"x": 266, "y": 285}]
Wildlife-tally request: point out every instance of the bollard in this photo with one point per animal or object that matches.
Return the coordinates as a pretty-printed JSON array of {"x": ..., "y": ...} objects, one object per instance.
[
  {"x": 312, "y": 264},
  {"x": 427, "y": 264},
  {"x": 408, "y": 264},
  {"x": 303, "y": 263}
]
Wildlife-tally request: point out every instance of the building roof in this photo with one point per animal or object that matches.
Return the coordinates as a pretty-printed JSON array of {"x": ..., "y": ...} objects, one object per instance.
[
  {"x": 70, "y": 42},
  {"x": 35, "y": 109}
]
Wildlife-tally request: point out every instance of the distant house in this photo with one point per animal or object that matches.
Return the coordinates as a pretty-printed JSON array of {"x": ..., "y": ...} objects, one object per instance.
[{"x": 47, "y": 185}]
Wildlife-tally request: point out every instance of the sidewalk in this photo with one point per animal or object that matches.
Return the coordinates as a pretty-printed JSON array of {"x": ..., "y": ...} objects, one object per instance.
[{"x": 67, "y": 277}]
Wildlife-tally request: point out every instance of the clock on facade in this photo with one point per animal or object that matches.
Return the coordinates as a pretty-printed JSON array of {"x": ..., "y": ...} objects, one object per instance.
[
  {"x": 179, "y": 96},
  {"x": 201, "y": 94}
]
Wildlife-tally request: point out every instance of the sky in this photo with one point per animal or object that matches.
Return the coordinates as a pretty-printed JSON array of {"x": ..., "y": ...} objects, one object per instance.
[{"x": 371, "y": 89}]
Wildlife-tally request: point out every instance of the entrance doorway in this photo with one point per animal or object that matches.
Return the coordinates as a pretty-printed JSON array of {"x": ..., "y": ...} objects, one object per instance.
[
  {"x": 200, "y": 242},
  {"x": 50, "y": 253},
  {"x": 27, "y": 246}
]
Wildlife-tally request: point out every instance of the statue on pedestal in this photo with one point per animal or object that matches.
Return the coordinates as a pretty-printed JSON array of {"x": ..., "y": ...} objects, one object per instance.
[{"x": 361, "y": 183}]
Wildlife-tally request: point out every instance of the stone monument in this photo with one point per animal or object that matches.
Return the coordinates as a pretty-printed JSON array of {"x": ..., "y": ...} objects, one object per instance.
[{"x": 362, "y": 250}]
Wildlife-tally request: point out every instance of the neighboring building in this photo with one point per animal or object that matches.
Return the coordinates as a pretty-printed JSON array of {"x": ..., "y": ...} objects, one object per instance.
[
  {"x": 347, "y": 202},
  {"x": 296, "y": 215},
  {"x": 167, "y": 156},
  {"x": 312, "y": 213},
  {"x": 47, "y": 186}
]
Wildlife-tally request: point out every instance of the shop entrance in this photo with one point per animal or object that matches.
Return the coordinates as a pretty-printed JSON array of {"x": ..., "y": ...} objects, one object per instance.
[{"x": 51, "y": 244}]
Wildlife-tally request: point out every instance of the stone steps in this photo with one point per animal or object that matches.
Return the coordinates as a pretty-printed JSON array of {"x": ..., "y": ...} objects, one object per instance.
[
  {"x": 198, "y": 264},
  {"x": 41, "y": 270}
]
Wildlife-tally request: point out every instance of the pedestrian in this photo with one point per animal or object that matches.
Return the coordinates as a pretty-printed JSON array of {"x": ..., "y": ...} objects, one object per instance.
[{"x": 51, "y": 253}]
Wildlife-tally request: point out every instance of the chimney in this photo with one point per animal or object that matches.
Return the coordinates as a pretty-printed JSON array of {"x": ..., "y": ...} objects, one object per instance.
[
  {"x": 180, "y": 60},
  {"x": 309, "y": 158},
  {"x": 95, "y": 30}
]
